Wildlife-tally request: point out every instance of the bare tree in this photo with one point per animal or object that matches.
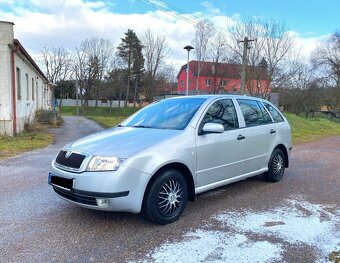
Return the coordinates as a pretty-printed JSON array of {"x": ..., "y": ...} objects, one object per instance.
[
  {"x": 57, "y": 62},
  {"x": 115, "y": 82},
  {"x": 217, "y": 54},
  {"x": 331, "y": 99},
  {"x": 327, "y": 59},
  {"x": 92, "y": 62},
  {"x": 204, "y": 33},
  {"x": 272, "y": 42},
  {"x": 155, "y": 52},
  {"x": 305, "y": 93},
  {"x": 165, "y": 83}
]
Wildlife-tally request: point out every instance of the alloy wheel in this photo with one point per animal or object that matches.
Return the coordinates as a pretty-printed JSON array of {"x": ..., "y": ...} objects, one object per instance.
[{"x": 170, "y": 197}]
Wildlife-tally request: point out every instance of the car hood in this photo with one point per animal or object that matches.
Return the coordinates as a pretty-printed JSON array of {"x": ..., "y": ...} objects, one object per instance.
[{"x": 121, "y": 142}]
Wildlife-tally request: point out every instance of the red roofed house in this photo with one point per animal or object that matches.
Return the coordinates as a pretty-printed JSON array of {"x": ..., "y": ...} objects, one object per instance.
[{"x": 222, "y": 78}]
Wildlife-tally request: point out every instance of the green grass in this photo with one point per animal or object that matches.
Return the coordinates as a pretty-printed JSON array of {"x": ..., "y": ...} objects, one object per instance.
[
  {"x": 102, "y": 115},
  {"x": 107, "y": 122},
  {"x": 23, "y": 142},
  {"x": 311, "y": 129},
  {"x": 325, "y": 116},
  {"x": 99, "y": 111}
]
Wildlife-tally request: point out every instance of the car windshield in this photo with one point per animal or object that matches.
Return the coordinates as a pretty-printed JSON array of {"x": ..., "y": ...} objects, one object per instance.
[{"x": 174, "y": 114}]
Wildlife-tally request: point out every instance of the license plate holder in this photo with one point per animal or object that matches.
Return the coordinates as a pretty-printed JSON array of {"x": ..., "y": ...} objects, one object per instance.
[{"x": 62, "y": 182}]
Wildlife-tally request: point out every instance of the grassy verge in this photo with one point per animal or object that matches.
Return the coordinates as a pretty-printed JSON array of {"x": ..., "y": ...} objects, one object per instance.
[
  {"x": 99, "y": 111},
  {"x": 102, "y": 115},
  {"x": 36, "y": 138},
  {"x": 311, "y": 129},
  {"x": 107, "y": 122}
]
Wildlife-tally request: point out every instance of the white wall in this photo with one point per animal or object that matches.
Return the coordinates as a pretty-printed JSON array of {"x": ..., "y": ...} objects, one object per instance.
[
  {"x": 6, "y": 37},
  {"x": 27, "y": 105}
]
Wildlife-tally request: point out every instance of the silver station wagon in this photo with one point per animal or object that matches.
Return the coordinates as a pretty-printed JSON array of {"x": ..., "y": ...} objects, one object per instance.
[{"x": 166, "y": 153}]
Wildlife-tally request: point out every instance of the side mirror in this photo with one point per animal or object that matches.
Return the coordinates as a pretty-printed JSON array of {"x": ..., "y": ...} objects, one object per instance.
[{"x": 212, "y": 128}]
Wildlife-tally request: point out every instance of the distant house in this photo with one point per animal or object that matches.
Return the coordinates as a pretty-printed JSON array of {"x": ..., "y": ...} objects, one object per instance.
[
  {"x": 24, "y": 88},
  {"x": 221, "y": 78}
]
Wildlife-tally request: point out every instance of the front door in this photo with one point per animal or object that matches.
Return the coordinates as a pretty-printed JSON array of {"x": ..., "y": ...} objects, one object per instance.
[{"x": 219, "y": 155}]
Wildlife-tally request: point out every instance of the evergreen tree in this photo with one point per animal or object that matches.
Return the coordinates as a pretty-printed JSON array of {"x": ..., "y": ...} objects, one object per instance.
[{"x": 130, "y": 51}]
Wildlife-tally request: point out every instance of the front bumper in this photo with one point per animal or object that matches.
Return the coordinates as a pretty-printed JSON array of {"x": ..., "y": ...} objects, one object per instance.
[{"x": 121, "y": 190}]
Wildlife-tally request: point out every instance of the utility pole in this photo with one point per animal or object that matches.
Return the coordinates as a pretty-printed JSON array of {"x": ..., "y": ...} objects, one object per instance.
[{"x": 244, "y": 62}]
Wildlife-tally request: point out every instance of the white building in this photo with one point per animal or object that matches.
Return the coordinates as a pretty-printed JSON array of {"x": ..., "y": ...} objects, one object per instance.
[{"x": 24, "y": 88}]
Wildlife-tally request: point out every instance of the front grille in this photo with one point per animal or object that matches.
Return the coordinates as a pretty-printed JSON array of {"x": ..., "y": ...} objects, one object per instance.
[
  {"x": 76, "y": 198},
  {"x": 73, "y": 161}
]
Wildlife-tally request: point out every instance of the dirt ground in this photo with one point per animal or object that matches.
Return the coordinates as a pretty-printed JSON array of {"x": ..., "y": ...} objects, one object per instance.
[{"x": 294, "y": 220}]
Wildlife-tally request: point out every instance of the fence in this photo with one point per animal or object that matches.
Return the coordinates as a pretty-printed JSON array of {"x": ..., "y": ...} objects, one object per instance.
[{"x": 92, "y": 103}]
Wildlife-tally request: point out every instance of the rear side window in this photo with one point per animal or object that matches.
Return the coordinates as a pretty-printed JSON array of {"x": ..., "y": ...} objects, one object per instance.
[
  {"x": 223, "y": 112},
  {"x": 275, "y": 114},
  {"x": 253, "y": 112}
]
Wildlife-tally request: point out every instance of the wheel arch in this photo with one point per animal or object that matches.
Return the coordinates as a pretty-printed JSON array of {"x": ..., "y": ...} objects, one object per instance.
[
  {"x": 186, "y": 173},
  {"x": 285, "y": 153}
]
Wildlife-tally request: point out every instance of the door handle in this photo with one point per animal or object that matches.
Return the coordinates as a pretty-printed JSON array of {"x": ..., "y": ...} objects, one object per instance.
[
  {"x": 272, "y": 131},
  {"x": 241, "y": 137}
]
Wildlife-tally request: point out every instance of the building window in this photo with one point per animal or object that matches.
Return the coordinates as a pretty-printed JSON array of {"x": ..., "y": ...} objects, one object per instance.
[
  {"x": 207, "y": 82},
  {"x": 27, "y": 88},
  {"x": 223, "y": 82},
  {"x": 32, "y": 88},
  {"x": 18, "y": 84},
  {"x": 182, "y": 83},
  {"x": 36, "y": 86}
]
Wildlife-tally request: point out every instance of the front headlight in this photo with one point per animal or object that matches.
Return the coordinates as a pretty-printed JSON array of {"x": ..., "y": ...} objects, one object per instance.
[{"x": 99, "y": 163}]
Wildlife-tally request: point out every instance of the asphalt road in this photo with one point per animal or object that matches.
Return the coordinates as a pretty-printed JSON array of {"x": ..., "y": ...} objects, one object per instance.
[{"x": 295, "y": 220}]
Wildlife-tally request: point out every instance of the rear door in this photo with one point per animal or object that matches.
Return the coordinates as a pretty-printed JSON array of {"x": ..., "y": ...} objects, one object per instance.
[{"x": 260, "y": 134}]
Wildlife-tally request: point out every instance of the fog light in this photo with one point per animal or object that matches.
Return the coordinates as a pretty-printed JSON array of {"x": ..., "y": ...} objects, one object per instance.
[{"x": 102, "y": 202}]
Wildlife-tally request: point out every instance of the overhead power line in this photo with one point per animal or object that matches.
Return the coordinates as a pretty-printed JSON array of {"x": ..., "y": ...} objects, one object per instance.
[
  {"x": 198, "y": 19},
  {"x": 178, "y": 13}
]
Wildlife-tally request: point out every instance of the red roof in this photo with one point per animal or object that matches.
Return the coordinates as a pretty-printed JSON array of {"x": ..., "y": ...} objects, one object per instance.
[{"x": 226, "y": 70}]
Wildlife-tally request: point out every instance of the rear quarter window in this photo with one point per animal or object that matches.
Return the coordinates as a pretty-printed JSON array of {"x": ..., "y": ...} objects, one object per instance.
[
  {"x": 253, "y": 113},
  {"x": 277, "y": 117}
]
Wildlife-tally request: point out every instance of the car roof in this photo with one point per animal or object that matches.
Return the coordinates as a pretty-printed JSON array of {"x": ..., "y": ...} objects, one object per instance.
[{"x": 215, "y": 96}]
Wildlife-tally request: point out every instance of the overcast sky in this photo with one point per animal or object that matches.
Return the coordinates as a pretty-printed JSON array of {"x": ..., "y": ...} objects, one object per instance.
[{"x": 66, "y": 23}]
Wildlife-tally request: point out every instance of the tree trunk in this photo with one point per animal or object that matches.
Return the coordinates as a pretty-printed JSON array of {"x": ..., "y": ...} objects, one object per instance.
[{"x": 135, "y": 94}]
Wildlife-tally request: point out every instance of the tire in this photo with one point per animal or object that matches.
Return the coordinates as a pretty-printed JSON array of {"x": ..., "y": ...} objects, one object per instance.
[
  {"x": 276, "y": 166},
  {"x": 165, "y": 197}
]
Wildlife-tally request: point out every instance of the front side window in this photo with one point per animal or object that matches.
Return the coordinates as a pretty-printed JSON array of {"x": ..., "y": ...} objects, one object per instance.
[
  {"x": 275, "y": 114},
  {"x": 222, "y": 112},
  {"x": 173, "y": 114},
  {"x": 252, "y": 113},
  {"x": 207, "y": 82}
]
